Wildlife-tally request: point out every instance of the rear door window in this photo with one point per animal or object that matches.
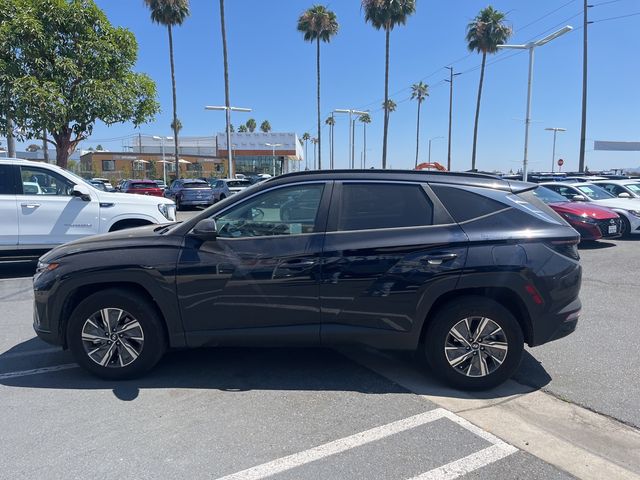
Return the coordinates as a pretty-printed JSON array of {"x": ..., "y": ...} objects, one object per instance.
[
  {"x": 368, "y": 206},
  {"x": 7, "y": 180}
]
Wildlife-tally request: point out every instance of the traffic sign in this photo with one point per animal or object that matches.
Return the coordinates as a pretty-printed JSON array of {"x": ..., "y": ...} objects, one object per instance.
[{"x": 560, "y": 162}]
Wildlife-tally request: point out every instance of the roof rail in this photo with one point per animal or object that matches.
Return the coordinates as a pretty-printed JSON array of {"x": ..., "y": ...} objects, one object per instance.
[{"x": 396, "y": 171}]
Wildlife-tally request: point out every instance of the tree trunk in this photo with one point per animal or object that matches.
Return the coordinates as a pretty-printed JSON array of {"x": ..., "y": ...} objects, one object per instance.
[
  {"x": 386, "y": 99},
  {"x": 418, "y": 132},
  {"x": 319, "y": 126},
  {"x": 63, "y": 148},
  {"x": 475, "y": 127},
  {"x": 45, "y": 146},
  {"x": 175, "y": 104},
  {"x": 11, "y": 140},
  {"x": 227, "y": 98}
]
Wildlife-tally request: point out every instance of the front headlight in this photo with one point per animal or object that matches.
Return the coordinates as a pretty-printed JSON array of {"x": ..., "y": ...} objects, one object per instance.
[
  {"x": 168, "y": 210},
  {"x": 46, "y": 267},
  {"x": 635, "y": 213},
  {"x": 579, "y": 218}
]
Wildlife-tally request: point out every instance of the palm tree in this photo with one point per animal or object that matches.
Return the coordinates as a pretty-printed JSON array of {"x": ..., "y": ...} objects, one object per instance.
[
  {"x": 318, "y": 23},
  {"x": 386, "y": 14},
  {"x": 484, "y": 34},
  {"x": 314, "y": 140},
  {"x": 265, "y": 126},
  {"x": 243, "y": 129},
  {"x": 251, "y": 125},
  {"x": 170, "y": 13},
  {"x": 419, "y": 92},
  {"x": 331, "y": 121},
  {"x": 306, "y": 137},
  {"x": 389, "y": 106},
  {"x": 365, "y": 119}
]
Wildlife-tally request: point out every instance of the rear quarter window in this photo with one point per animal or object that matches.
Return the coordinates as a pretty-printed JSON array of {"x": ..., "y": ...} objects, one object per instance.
[{"x": 464, "y": 205}]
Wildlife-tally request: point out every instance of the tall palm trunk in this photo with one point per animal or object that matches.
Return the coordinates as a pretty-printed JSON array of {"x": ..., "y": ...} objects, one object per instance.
[
  {"x": 418, "y": 132},
  {"x": 227, "y": 98},
  {"x": 386, "y": 99},
  {"x": 475, "y": 127},
  {"x": 175, "y": 102},
  {"x": 319, "y": 128},
  {"x": 306, "y": 157}
]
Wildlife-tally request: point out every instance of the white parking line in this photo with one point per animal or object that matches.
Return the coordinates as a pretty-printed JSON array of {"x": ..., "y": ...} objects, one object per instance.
[
  {"x": 498, "y": 450},
  {"x": 36, "y": 371},
  {"x": 42, "y": 351}
]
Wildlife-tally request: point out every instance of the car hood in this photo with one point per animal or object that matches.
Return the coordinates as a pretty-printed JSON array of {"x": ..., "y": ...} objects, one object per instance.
[
  {"x": 621, "y": 203},
  {"x": 145, "y": 236},
  {"x": 120, "y": 198},
  {"x": 587, "y": 209}
]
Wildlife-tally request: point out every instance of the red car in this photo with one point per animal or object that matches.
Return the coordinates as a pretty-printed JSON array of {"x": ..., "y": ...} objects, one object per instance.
[
  {"x": 142, "y": 187},
  {"x": 591, "y": 221}
]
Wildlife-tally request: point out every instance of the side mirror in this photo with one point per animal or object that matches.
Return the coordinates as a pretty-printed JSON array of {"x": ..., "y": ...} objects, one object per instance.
[
  {"x": 578, "y": 198},
  {"x": 206, "y": 229},
  {"x": 624, "y": 195},
  {"x": 81, "y": 191}
]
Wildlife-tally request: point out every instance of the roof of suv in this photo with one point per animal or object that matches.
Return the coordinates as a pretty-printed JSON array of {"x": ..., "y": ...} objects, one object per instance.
[{"x": 453, "y": 178}]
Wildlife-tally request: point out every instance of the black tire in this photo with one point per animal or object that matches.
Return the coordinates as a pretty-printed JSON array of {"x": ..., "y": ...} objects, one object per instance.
[
  {"x": 438, "y": 336},
  {"x": 222, "y": 197},
  {"x": 178, "y": 205},
  {"x": 138, "y": 308},
  {"x": 625, "y": 227}
]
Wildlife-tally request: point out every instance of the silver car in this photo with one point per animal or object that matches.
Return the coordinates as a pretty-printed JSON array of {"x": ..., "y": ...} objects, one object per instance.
[{"x": 226, "y": 187}]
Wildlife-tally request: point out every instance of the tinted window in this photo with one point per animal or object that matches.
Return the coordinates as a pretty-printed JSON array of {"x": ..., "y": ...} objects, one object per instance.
[
  {"x": 566, "y": 192},
  {"x": 594, "y": 192},
  {"x": 463, "y": 205},
  {"x": 239, "y": 183},
  {"x": 548, "y": 196},
  {"x": 7, "y": 180},
  {"x": 142, "y": 185},
  {"x": 365, "y": 206},
  {"x": 285, "y": 211},
  {"x": 36, "y": 181},
  {"x": 196, "y": 185}
]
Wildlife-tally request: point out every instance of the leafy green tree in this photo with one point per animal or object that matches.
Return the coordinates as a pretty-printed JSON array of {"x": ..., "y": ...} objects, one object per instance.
[
  {"x": 331, "y": 122},
  {"x": 170, "y": 13},
  {"x": 243, "y": 129},
  {"x": 385, "y": 15},
  {"x": 33, "y": 148},
  {"x": 265, "y": 126},
  {"x": 63, "y": 67},
  {"x": 99, "y": 148},
  {"x": 251, "y": 125},
  {"x": 419, "y": 92},
  {"x": 232, "y": 128},
  {"x": 318, "y": 23},
  {"x": 484, "y": 34}
]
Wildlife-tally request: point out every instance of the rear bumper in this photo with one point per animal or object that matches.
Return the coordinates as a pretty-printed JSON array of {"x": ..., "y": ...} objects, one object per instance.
[
  {"x": 199, "y": 201},
  {"x": 557, "y": 325}
]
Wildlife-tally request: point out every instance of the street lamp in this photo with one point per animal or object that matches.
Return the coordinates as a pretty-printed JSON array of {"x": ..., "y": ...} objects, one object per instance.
[
  {"x": 555, "y": 131},
  {"x": 351, "y": 112},
  {"x": 228, "y": 110},
  {"x": 531, "y": 46},
  {"x": 273, "y": 153},
  {"x": 164, "y": 162},
  {"x": 434, "y": 138}
]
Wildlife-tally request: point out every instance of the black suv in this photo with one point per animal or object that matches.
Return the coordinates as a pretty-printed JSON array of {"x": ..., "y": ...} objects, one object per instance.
[{"x": 463, "y": 268}]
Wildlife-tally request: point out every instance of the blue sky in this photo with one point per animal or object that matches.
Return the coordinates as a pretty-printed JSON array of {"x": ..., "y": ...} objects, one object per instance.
[{"x": 272, "y": 70}]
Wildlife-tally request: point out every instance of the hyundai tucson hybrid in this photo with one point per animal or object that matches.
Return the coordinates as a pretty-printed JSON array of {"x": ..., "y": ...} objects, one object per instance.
[{"x": 462, "y": 268}]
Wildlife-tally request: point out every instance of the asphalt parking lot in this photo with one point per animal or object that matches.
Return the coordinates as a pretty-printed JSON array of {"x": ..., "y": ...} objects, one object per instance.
[{"x": 296, "y": 413}]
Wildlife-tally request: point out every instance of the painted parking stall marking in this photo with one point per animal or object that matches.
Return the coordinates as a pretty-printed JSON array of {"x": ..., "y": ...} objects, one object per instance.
[
  {"x": 37, "y": 371},
  {"x": 455, "y": 469}
]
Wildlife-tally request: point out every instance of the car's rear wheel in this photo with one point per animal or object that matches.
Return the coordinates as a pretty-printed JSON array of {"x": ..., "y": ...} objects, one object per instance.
[
  {"x": 625, "y": 227},
  {"x": 116, "y": 335},
  {"x": 178, "y": 204},
  {"x": 474, "y": 343}
]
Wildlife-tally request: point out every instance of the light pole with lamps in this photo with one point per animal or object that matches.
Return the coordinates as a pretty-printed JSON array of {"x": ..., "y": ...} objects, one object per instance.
[
  {"x": 273, "y": 154},
  {"x": 164, "y": 162},
  {"x": 228, "y": 110},
  {"x": 434, "y": 138},
  {"x": 351, "y": 112},
  {"x": 555, "y": 131},
  {"x": 531, "y": 46}
]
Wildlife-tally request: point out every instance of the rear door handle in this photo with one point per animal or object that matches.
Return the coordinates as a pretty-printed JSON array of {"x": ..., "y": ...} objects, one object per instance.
[
  {"x": 298, "y": 264},
  {"x": 30, "y": 205},
  {"x": 440, "y": 258}
]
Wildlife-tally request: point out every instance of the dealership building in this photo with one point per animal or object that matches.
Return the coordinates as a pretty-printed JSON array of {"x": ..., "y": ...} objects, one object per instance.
[{"x": 150, "y": 156}]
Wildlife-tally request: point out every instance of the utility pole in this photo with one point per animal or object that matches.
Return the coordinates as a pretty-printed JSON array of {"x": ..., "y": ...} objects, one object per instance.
[
  {"x": 451, "y": 75},
  {"x": 583, "y": 127}
]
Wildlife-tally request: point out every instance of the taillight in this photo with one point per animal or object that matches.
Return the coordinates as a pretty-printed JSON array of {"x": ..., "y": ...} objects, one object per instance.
[
  {"x": 567, "y": 248},
  {"x": 534, "y": 294}
]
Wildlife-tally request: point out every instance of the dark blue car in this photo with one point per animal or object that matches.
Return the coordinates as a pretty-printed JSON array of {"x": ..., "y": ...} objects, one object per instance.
[{"x": 190, "y": 193}]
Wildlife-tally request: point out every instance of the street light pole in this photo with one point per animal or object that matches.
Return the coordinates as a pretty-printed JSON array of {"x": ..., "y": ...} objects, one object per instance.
[
  {"x": 351, "y": 112},
  {"x": 555, "y": 131},
  {"x": 531, "y": 46},
  {"x": 164, "y": 162},
  {"x": 229, "y": 146},
  {"x": 451, "y": 75},
  {"x": 430, "y": 140},
  {"x": 273, "y": 154}
]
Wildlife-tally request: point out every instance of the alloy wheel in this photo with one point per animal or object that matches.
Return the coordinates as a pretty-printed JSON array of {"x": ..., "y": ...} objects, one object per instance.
[
  {"x": 476, "y": 346},
  {"x": 112, "y": 338}
]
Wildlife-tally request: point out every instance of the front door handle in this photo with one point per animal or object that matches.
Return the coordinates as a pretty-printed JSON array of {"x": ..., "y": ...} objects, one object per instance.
[
  {"x": 30, "y": 205},
  {"x": 298, "y": 264},
  {"x": 440, "y": 258}
]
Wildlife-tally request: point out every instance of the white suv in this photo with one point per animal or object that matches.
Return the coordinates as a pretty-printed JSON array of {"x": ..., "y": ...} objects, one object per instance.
[{"x": 42, "y": 205}]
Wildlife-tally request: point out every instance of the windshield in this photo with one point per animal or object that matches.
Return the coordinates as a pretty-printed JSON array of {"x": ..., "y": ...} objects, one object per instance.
[
  {"x": 239, "y": 183},
  {"x": 548, "y": 196},
  {"x": 634, "y": 187},
  {"x": 594, "y": 192}
]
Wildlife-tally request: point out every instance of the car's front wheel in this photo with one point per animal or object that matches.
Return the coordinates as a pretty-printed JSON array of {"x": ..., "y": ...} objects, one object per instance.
[
  {"x": 115, "y": 334},
  {"x": 474, "y": 343}
]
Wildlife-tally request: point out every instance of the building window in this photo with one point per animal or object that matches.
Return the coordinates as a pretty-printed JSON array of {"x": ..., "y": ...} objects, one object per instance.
[{"x": 108, "y": 166}]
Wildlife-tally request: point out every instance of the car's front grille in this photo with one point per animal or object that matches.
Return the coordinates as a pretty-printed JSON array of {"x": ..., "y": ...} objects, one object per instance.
[{"x": 604, "y": 225}]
